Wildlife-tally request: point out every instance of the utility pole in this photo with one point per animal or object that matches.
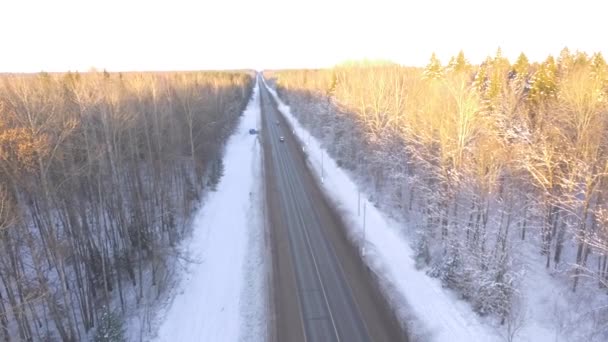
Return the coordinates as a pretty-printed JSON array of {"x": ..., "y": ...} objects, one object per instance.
[
  {"x": 364, "y": 238},
  {"x": 322, "y": 172},
  {"x": 359, "y": 203},
  {"x": 307, "y": 144}
]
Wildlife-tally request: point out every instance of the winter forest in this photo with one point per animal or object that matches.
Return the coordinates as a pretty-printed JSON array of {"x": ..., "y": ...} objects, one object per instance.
[
  {"x": 490, "y": 165},
  {"x": 99, "y": 173},
  {"x": 495, "y": 171}
]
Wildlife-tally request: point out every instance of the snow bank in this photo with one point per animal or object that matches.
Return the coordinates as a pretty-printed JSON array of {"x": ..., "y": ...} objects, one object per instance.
[
  {"x": 445, "y": 318},
  {"x": 221, "y": 295}
]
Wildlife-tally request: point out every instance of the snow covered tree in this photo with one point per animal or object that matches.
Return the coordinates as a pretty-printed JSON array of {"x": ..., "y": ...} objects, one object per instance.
[
  {"x": 544, "y": 82},
  {"x": 494, "y": 291},
  {"x": 519, "y": 154},
  {"x": 498, "y": 68},
  {"x": 109, "y": 328},
  {"x": 216, "y": 173},
  {"x": 581, "y": 98},
  {"x": 521, "y": 66},
  {"x": 481, "y": 77}
]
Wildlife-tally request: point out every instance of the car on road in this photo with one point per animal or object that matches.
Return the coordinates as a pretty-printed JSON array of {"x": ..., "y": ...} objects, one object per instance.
[
  {"x": 281, "y": 139},
  {"x": 277, "y": 122}
]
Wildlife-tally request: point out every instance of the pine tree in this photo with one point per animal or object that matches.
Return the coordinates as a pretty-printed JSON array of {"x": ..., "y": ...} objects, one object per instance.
[
  {"x": 521, "y": 66},
  {"x": 459, "y": 64},
  {"x": 500, "y": 63},
  {"x": 565, "y": 62},
  {"x": 581, "y": 59},
  {"x": 519, "y": 76},
  {"x": 599, "y": 71},
  {"x": 217, "y": 171},
  {"x": 497, "y": 70},
  {"x": 433, "y": 70},
  {"x": 481, "y": 77},
  {"x": 496, "y": 77},
  {"x": 598, "y": 66},
  {"x": 544, "y": 81},
  {"x": 110, "y": 328}
]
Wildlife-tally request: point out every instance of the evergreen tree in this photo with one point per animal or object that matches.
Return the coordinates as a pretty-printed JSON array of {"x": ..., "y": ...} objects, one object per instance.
[
  {"x": 110, "y": 328},
  {"x": 497, "y": 72},
  {"x": 500, "y": 63},
  {"x": 598, "y": 66},
  {"x": 519, "y": 76},
  {"x": 433, "y": 70},
  {"x": 565, "y": 62},
  {"x": 481, "y": 77},
  {"x": 521, "y": 66},
  {"x": 599, "y": 71},
  {"x": 581, "y": 59},
  {"x": 459, "y": 64},
  {"x": 544, "y": 81},
  {"x": 217, "y": 171}
]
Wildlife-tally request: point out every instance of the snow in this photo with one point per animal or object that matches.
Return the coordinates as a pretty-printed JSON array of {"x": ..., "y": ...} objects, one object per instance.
[
  {"x": 443, "y": 316},
  {"x": 221, "y": 296},
  {"x": 541, "y": 292},
  {"x": 552, "y": 312}
]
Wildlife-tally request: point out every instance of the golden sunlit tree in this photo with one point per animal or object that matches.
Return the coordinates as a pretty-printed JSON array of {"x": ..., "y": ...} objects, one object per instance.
[{"x": 477, "y": 158}]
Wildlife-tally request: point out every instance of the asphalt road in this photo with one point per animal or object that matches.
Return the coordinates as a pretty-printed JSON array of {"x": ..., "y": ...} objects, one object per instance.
[{"x": 321, "y": 290}]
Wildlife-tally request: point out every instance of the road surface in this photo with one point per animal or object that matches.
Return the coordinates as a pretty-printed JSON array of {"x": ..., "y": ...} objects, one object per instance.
[{"x": 321, "y": 289}]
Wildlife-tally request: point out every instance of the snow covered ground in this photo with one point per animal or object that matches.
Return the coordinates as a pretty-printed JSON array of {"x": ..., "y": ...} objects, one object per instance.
[
  {"x": 438, "y": 314},
  {"x": 550, "y": 310},
  {"x": 222, "y": 296}
]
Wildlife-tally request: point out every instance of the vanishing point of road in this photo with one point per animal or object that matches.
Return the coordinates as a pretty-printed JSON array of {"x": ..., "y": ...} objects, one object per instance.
[{"x": 321, "y": 289}]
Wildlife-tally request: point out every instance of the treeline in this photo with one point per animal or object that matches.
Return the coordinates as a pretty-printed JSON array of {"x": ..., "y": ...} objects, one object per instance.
[
  {"x": 98, "y": 175},
  {"x": 477, "y": 158}
]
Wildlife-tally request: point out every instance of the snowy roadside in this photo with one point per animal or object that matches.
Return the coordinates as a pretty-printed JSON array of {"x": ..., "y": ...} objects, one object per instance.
[
  {"x": 443, "y": 317},
  {"x": 221, "y": 296}
]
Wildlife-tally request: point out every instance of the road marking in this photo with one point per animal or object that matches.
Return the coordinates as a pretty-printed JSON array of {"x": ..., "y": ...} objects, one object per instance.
[
  {"x": 314, "y": 260},
  {"x": 310, "y": 251},
  {"x": 307, "y": 238},
  {"x": 274, "y": 152},
  {"x": 331, "y": 251}
]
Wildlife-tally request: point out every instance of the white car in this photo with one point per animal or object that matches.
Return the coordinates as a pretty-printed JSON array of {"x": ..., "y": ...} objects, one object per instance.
[{"x": 281, "y": 139}]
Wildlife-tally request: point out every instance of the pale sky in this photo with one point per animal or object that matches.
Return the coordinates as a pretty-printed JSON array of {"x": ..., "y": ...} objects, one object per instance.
[{"x": 120, "y": 35}]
